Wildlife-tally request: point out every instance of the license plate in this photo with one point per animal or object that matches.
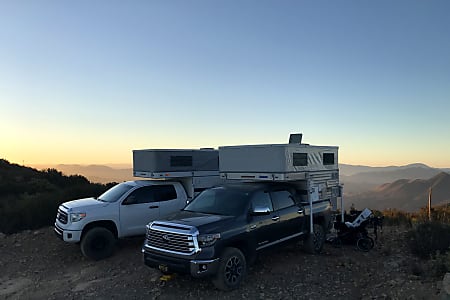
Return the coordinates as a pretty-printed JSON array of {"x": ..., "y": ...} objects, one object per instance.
[{"x": 163, "y": 268}]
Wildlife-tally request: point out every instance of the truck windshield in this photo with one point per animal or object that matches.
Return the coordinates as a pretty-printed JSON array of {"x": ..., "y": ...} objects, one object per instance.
[
  {"x": 114, "y": 193},
  {"x": 220, "y": 201}
]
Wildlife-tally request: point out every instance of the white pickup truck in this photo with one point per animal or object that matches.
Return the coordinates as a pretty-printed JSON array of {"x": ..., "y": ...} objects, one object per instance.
[{"x": 125, "y": 209}]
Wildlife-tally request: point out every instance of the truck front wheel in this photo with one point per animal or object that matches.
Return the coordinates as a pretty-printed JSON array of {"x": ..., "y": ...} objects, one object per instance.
[
  {"x": 98, "y": 243},
  {"x": 231, "y": 270}
]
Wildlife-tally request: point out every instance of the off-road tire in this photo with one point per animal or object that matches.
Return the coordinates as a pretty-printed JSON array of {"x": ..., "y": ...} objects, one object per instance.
[
  {"x": 98, "y": 243},
  {"x": 231, "y": 271},
  {"x": 314, "y": 242}
]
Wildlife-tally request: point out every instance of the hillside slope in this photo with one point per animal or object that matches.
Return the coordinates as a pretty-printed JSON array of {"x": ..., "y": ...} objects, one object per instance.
[
  {"x": 30, "y": 198},
  {"x": 369, "y": 177},
  {"x": 404, "y": 194}
]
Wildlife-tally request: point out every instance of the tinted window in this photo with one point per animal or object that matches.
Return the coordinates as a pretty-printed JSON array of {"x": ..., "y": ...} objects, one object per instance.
[
  {"x": 220, "y": 201},
  {"x": 141, "y": 195},
  {"x": 281, "y": 199},
  {"x": 328, "y": 158},
  {"x": 300, "y": 159},
  {"x": 164, "y": 192},
  {"x": 262, "y": 199}
]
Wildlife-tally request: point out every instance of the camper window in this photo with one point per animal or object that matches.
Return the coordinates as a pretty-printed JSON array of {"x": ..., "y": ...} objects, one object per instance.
[
  {"x": 300, "y": 159},
  {"x": 181, "y": 161},
  {"x": 328, "y": 158}
]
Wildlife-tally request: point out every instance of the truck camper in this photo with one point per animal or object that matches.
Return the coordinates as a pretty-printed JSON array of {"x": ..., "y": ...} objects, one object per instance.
[{"x": 278, "y": 193}]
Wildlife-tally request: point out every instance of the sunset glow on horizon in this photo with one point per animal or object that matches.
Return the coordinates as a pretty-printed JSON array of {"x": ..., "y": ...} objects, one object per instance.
[{"x": 88, "y": 82}]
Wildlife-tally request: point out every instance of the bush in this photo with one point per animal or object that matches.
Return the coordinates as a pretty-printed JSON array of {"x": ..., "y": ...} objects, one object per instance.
[
  {"x": 32, "y": 211},
  {"x": 29, "y": 198},
  {"x": 440, "y": 264},
  {"x": 439, "y": 213},
  {"x": 394, "y": 217},
  {"x": 429, "y": 239}
]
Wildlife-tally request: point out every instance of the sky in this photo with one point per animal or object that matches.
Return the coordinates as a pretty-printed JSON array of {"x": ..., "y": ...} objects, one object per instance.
[{"x": 88, "y": 81}]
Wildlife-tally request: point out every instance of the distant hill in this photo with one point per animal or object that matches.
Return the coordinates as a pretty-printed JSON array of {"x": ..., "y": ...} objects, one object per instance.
[
  {"x": 95, "y": 173},
  {"x": 358, "y": 179},
  {"x": 349, "y": 170},
  {"x": 404, "y": 194}
]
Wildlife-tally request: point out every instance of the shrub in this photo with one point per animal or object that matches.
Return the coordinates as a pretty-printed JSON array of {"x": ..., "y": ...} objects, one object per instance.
[
  {"x": 394, "y": 217},
  {"x": 429, "y": 239},
  {"x": 29, "y": 198},
  {"x": 440, "y": 264}
]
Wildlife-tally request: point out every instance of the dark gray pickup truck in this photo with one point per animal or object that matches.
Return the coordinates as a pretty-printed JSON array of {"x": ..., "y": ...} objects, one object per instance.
[{"x": 221, "y": 230}]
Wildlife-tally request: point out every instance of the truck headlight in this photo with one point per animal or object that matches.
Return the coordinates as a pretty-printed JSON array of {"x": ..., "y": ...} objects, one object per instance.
[
  {"x": 75, "y": 217},
  {"x": 206, "y": 240}
]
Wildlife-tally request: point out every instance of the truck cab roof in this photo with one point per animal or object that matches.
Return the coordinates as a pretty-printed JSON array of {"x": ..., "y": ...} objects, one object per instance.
[{"x": 147, "y": 182}]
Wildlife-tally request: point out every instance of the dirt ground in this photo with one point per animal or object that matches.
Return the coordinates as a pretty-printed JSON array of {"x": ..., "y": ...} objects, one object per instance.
[{"x": 37, "y": 265}]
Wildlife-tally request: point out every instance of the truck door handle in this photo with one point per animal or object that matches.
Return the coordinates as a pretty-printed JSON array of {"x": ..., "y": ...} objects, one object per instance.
[
  {"x": 153, "y": 206},
  {"x": 301, "y": 210},
  {"x": 252, "y": 226},
  {"x": 276, "y": 218}
]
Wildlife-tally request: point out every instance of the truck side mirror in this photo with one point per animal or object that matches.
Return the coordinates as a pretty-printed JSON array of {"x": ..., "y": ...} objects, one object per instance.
[{"x": 260, "y": 210}]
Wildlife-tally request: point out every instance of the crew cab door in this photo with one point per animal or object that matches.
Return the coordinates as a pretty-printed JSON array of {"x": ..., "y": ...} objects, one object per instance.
[
  {"x": 169, "y": 199},
  {"x": 137, "y": 210},
  {"x": 291, "y": 216},
  {"x": 262, "y": 226}
]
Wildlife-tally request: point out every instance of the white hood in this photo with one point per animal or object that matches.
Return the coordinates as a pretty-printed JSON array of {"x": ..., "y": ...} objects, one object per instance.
[{"x": 83, "y": 204}]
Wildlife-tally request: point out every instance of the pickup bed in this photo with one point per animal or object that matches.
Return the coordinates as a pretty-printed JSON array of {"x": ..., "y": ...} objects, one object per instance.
[{"x": 222, "y": 230}]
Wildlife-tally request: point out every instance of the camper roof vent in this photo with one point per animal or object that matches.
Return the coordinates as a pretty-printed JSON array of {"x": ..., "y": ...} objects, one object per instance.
[{"x": 295, "y": 138}]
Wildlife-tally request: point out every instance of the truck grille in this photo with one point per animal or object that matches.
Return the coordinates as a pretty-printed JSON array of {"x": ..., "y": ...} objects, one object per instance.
[
  {"x": 62, "y": 216},
  {"x": 172, "y": 238},
  {"x": 171, "y": 241}
]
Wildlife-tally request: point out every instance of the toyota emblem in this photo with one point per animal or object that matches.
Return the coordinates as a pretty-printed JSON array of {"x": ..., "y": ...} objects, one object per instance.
[{"x": 166, "y": 238}]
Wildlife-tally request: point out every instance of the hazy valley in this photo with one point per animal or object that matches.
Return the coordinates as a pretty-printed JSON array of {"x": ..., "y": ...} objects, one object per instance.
[
  {"x": 401, "y": 187},
  {"x": 95, "y": 173}
]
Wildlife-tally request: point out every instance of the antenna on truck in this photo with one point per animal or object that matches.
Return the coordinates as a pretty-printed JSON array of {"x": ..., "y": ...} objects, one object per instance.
[{"x": 295, "y": 138}]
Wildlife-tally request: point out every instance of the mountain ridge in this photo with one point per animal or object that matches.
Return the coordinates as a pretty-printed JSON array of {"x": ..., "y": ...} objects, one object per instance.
[
  {"x": 97, "y": 173},
  {"x": 364, "y": 180},
  {"x": 408, "y": 195}
]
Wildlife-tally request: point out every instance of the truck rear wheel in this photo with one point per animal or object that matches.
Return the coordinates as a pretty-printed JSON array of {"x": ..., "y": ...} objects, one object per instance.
[
  {"x": 315, "y": 241},
  {"x": 231, "y": 270},
  {"x": 98, "y": 243}
]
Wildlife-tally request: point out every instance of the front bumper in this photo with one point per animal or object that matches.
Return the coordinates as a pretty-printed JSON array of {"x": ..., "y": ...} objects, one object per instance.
[
  {"x": 71, "y": 236},
  {"x": 196, "y": 268}
]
